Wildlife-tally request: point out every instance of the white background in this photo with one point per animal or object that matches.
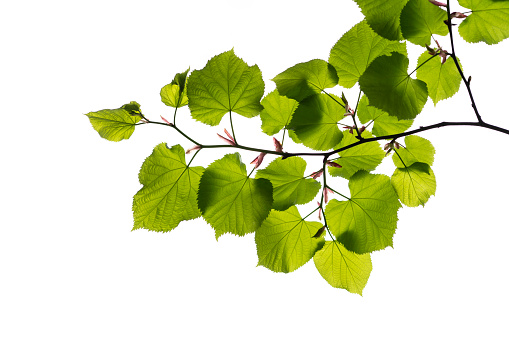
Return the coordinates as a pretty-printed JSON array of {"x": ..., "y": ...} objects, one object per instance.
[{"x": 70, "y": 266}]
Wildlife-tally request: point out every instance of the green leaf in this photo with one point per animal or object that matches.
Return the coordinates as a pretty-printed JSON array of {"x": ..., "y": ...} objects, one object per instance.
[
  {"x": 306, "y": 79},
  {"x": 286, "y": 242},
  {"x": 288, "y": 182},
  {"x": 383, "y": 124},
  {"x": 443, "y": 80},
  {"x": 416, "y": 149},
  {"x": 366, "y": 156},
  {"x": 229, "y": 200},
  {"x": 277, "y": 112},
  {"x": 367, "y": 221},
  {"x": 169, "y": 193},
  {"x": 420, "y": 19},
  {"x": 342, "y": 268},
  {"x": 415, "y": 184},
  {"x": 225, "y": 84},
  {"x": 383, "y": 16},
  {"x": 356, "y": 49},
  {"x": 388, "y": 87},
  {"x": 488, "y": 22},
  {"x": 118, "y": 124},
  {"x": 315, "y": 121},
  {"x": 175, "y": 93}
]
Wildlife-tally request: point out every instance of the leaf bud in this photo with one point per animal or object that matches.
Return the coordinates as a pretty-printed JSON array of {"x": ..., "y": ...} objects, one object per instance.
[
  {"x": 258, "y": 160},
  {"x": 166, "y": 121},
  {"x": 438, "y": 3},
  {"x": 196, "y": 147},
  {"x": 277, "y": 145},
  {"x": 333, "y": 164},
  {"x": 316, "y": 174}
]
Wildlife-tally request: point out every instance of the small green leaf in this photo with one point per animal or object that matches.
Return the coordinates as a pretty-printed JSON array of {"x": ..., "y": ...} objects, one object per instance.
[
  {"x": 175, "y": 93},
  {"x": 416, "y": 149},
  {"x": 230, "y": 201},
  {"x": 415, "y": 184},
  {"x": 277, "y": 112},
  {"x": 118, "y": 124},
  {"x": 367, "y": 221},
  {"x": 420, "y": 19},
  {"x": 342, "y": 268},
  {"x": 383, "y": 16},
  {"x": 488, "y": 22},
  {"x": 383, "y": 124},
  {"x": 306, "y": 79},
  {"x": 356, "y": 49},
  {"x": 285, "y": 241},
  {"x": 288, "y": 182},
  {"x": 169, "y": 193},
  {"x": 388, "y": 87},
  {"x": 225, "y": 84}
]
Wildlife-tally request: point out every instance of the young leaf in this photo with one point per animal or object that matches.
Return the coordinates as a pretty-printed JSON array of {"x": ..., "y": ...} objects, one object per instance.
[
  {"x": 118, "y": 124},
  {"x": 285, "y": 241},
  {"x": 225, "y": 84},
  {"x": 488, "y": 22},
  {"x": 383, "y": 16},
  {"x": 277, "y": 112},
  {"x": 169, "y": 193},
  {"x": 388, "y": 87},
  {"x": 356, "y": 49},
  {"x": 175, "y": 93},
  {"x": 288, "y": 182},
  {"x": 306, "y": 79},
  {"x": 417, "y": 149},
  {"x": 229, "y": 200},
  {"x": 383, "y": 124},
  {"x": 420, "y": 19},
  {"x": 367, "y": 221},
  {"x": 342, "y": 268},
  {"x": 415, "y": 184},
  {"x": 443, "y": 80}
]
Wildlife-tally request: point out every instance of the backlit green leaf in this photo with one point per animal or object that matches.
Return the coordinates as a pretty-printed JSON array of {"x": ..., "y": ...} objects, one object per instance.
[
  {"x": 277, "y": 112},
  {"x": 383, "y": 16},
  {"x": 342, "y": 268},
  {"x": 175, "y": 93},
  {"x": 367, "y": 221},
  {"x": 225, "y": 84},
  {"x": 285, "y": 241},
  {"x": 229, "y": 200},
  {"x": 420, "y": 19},
  {"x": 416, "y": 149},
  {"x": 488, "y": 22},
  {"x": 118, "y": 124},
  {"x": 383, "y": 124},
  {"x": 169, "y": 193},
  {"x": 415, "y": 184}
]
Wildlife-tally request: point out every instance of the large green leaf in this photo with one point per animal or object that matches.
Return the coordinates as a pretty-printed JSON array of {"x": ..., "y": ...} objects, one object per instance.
[
  {"x": 169, "y": 193},
  {"x": 383, "y": 124},
  {"x": 175, "y": 93},
  {"x": 383, "y": 16},
  {"x": 118, "y": 124},
  {"x": 342, "y": 268},
  {"x": 443, "y": 80},
  {"x": 356, "y": 49},
  {"x": 225, "y": 84},
  {"x": 285, "y": 241},
  {"x": 416, "y": 149},
  {"x": 305, "y": 79},
  {"x": 415, "y": 184},
  {"x": 315, "y": 121},
  {"x": 366, "y": 156},
  {"x": 420, "y": 19},
  {"x": 488, "y": 22},
  {"x": 388, "y": 87},
  {"x": 367, "y": 221},
  {"x": 288, "y": 182},
  {"x": 277, "y": 112},
  {"x": 229, "y": 200}
]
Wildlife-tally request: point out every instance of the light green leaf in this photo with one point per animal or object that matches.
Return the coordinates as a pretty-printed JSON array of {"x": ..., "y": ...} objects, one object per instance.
[
  {"x": 356, "y": 49},
  {"x": 229, "y": 200},
  {"x": 288, "y": 182},
  {"x": 420, "y": 19},
  {"x": 286, "y": 242},
  {"x": 169, "y": 193},
  {"x": 383, "y": 16},
  {"x": 342, "y": 268},
  {"x": 277, "y": 112},
  {"x": 225, "y": 84},
  {"x": 306, "y": 79},
  {"x": 118, "y": 124},
  {"x": 416, "y": 149},
  {"x": 367, "y": 221},
  {"x": 366, "y": 156},
  {"x": 388, "y": 87},
  {"x": 315, "y": 121},
  {"x": 488, "y": 22},
  {"x": 383, "y": 124},
  {"x": 415, "y": 184},
  {"x": 175, "y": 93},
  {"x": 443, "y": 80}
]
